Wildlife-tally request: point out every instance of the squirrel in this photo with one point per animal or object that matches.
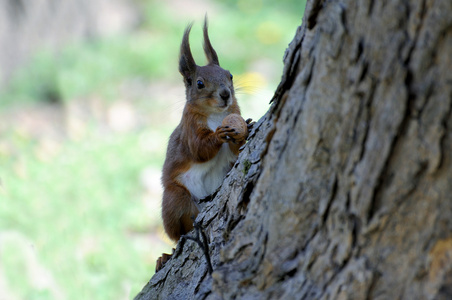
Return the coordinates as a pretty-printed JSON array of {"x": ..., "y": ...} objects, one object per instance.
[{"x": 201, "y": 151}]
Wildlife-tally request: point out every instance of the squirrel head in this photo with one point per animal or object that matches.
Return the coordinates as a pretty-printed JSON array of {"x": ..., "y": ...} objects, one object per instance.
[{"x": 208, "y": 88}]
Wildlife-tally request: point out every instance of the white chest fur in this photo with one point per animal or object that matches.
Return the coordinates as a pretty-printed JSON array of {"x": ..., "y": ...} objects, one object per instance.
[
  {"x": 215, "y": 120},
  {"x": 202, "y": 179}
]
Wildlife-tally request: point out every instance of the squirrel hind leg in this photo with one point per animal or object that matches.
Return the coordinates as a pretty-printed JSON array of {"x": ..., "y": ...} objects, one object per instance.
[
  {"x": 187, "y": 221},
  {"x": 161, "y": 261},
  {"x": 178, "y": 211}
]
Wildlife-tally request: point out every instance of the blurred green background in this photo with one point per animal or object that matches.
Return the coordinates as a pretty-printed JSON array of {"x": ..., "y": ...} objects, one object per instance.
[{"x": 83, "y": 132}]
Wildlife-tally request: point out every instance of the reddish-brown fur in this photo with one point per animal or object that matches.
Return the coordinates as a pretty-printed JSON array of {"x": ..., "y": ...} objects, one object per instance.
[{"x": 193, "y": 142}]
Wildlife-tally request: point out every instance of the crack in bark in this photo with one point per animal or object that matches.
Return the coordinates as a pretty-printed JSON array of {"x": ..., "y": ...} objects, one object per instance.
[
  {"x": 371, "y": 7},
  {"x": 245, "y": 197},
  {"x": 355, "y": 230},
  {"x": 232, "y": 224},
  {"x": 336, "y": 273},
  {"x": 313, "y": 14},
  {"x": 423, "y": 167},
  {"x": 373, "y": 283},
  {"x": 197, "y": 287},
  {"x": 207, "y": 222},
  {"x": 367, "y": 111},
  {"x": 442, "y": 138},
  {"x": 343, "y": 18},
  {"x": 359, "y": 50},
  {"x": 375, "y": 198},
  {"x": 363, "y": 71},
  {"x": 340, "y": 268},
  {"x": 403, "y": 126},
  {"x": 347, "y": 201},
  {"x": 417, "y": 31},
  {"x": 330, "y": 200},
  {"x": 309, "y": 239}
]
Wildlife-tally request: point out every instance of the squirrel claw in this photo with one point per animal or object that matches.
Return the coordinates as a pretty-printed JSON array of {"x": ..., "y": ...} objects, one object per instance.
[
  {"x": 250, "y": 123},
  {"x": 230, "y": 139},
  {"x": 224, "y": 130}
]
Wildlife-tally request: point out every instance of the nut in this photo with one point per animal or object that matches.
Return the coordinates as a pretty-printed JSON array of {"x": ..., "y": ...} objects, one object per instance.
[{"x": 238, "y": 123}]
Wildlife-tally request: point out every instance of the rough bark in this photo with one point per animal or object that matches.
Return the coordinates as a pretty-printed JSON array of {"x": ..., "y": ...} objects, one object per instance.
[{"x": 344, "y": 190}]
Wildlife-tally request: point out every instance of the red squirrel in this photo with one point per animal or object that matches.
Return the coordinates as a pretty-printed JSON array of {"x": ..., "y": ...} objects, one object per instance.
[{"x": 200, "y": 150}]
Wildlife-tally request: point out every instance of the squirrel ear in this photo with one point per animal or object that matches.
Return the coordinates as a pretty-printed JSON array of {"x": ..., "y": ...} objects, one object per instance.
[
  {"x": 187, "y": 65},
  {"x": 211, "y": 55}
]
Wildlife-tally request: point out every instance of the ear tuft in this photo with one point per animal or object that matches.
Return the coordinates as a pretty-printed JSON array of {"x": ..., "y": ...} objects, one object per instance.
[
  {"x": 211, "y": 54},
  {"x": 187, "y": 65}
]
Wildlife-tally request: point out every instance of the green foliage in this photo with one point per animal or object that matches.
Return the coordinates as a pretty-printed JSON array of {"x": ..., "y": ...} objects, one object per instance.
[
  {"x": 78, "y": 211},
  {"x": 242, "y": 37},
  {"x": 90, "y": 67}
]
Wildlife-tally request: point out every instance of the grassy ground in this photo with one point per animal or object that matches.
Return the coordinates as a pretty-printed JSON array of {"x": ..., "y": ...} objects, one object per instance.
[{"x": 83, "y": 138}]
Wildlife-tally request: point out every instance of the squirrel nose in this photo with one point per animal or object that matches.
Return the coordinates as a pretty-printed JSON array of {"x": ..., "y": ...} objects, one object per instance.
[{"x": 225, "y": 95}]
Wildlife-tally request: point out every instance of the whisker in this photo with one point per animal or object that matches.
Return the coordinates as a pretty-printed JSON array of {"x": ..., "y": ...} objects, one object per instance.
[
  {"x": 247, "y": 90},
  {"x": 174, "y": 106}
]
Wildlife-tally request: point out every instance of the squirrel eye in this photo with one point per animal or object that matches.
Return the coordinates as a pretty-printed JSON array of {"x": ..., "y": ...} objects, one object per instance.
[
  {"x": 200, "y": 84},
  {"x": 231, "y": 76}
]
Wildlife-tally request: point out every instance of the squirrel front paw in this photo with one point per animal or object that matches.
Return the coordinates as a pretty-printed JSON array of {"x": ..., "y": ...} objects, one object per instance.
[
  {"x": 250, "y": 124},
  {"x": 227, "y": 134}
]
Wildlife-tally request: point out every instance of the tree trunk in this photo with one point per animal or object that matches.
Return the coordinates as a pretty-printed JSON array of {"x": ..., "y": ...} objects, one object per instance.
[{"x": 345, "y": 189}]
